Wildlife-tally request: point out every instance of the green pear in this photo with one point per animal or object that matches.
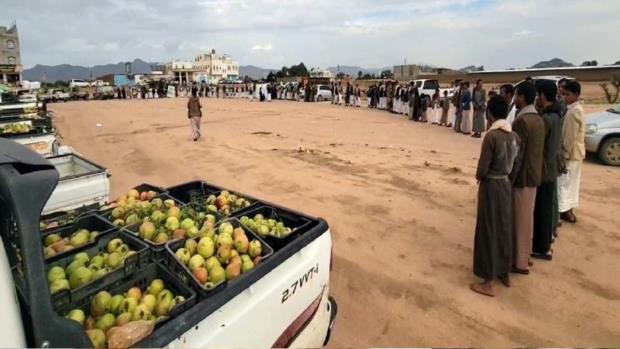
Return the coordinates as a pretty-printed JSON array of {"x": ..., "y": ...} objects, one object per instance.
[
  {"x": 206, "y": 247},
  {"x": 247, "y": 266},
  {"x": 217, "y": 274},
  {"x": 83, "y": 256},
  {"x": 106, "y": 322},
  {"x": 100, "y": 304},
  {"x": 197, "y": 261},
  {"x": 224, "y": 254},
  {"x": 59, "y": 285},
  {"x": 147, "y": 230},
  {"x": 150, "y": 301},
  {"x": 128, "y": 305},
  {"x": 93, "y": 235},
  {"x": 73, "y": 266},
  {"x": 97, "y": 260},
  {"x": 141, "y": 312},
  {"x": 183, "y": 255},
  {"x": 123, "y": 319},
  {"x": 114, "y": 244},
  {"x": 80, "y": 238},
  {"x": 232, "y": 271},
  {"x": 225, "y": 240},
  {"x": 51, "y": 239},
  {"x": 163, "y": 307},
  {"x": 115, "y": 304},
  {"x": 165, "y": 294},
  {"x": 114, "y": 260},
  {"x": 97, "y": 337},
  {"x": 211, "y": 262},
  {"x": 80, "y": 277},
  {"x": 55, "y": 273},
  {"x": 156, "y": 286},
  {"x": 77, "y": 315},
  {"x": 160, "y": 238},
  {"x": 255, "y": 248},
  {"x": 191, "y": 245}
]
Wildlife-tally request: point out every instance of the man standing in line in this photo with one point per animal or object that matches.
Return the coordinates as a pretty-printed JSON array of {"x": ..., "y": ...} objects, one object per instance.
[
  {"x": 544, "y": 208},
  {"x": 480, "y": 98},
  {"x": 466, "y": 111},
  {"x": 493, "y": 239},
  {"x": 573, "y": 152},
  {"x": 457, "y": 101},
  {"x": 445, "y": 107},
  {"x": 530, "y": 128},
  {"x": 561, "y": 101},
  {"x": 194, "y": 114},
  {"x": 508, "y": 91}
]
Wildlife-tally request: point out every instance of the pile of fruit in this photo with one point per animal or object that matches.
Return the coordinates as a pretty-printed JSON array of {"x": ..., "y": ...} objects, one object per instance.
[
  {"x": 266, "y": 227},
  {"x": 135, "y": 206},
  {"x": 55, "y": 244},
  {"x": 108, "y": 311},
  {"x": 225, "y": 203},
  {"x": 221, "y": 256},
  {"x": 175, "y": 223},
  {"x": 84, "y": 268},
  {"x": 15, "y": 128}
]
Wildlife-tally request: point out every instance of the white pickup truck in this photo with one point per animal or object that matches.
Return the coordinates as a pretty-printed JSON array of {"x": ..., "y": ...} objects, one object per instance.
[
  {"x": 427, "y": 88},
  {"x": 282, "y": 302}
]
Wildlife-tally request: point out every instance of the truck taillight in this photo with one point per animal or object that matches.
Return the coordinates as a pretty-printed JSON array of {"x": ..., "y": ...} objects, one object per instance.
[{"x": 298, "y": 325}]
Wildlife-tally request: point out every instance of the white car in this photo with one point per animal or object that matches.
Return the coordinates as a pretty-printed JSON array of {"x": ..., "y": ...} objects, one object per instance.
[
  {"x": 78, "y": 83},
  {"x": 323, "y": 93},
  {"x": 427, "y": 88}
]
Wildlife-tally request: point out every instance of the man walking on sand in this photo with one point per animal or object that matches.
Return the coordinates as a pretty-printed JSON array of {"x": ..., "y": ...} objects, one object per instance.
[
  {"x": 530, "y": 128},
  {"x": 194, "y": 114},
  {"x": 573, "y": 152},
  {"x": 480, "y": 97},
  {"x": 493, "y": 239}
]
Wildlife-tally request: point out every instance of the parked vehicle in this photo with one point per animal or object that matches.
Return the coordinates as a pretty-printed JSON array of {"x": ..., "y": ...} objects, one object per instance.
[
  {"x": 79, "y": 94},
  {"x": 603, "y": 135},
  {"x": 60, "y": 95},
  {"x": 427, "y": 88},
  {"x": 290, "y": 288},
  {"x": 104, "y": 92},
  {"x": 323, "y": 93},
  {"x": 78, "y": 83},
  {"x": 54, "y": 95}
]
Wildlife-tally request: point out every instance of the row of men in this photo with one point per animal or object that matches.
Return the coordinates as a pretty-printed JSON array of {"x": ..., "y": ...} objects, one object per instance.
[{"x": 529, "y": 170}]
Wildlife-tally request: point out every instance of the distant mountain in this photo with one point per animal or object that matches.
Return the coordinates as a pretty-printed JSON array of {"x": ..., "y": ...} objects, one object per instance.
[
  {"x": 66, "y": 72},
  {"x": 254, "y": 72},
  {"x": 553, "y": 63},
  {"x": 353, "y": 70}
]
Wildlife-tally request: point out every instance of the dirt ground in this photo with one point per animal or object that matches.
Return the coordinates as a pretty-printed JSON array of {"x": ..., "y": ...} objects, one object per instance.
[{"x": 400, "y": 198}]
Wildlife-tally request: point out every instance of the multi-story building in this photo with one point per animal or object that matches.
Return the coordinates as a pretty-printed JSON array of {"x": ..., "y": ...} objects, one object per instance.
[
  {"x": 212, "y": 67},
  {"x": 10, "y": 58},
  {"x": 182, "y": 71}
]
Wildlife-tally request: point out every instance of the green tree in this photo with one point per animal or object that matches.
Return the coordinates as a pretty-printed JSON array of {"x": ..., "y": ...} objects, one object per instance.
[
  {"x": 360, "y": 75},
  {"x": 387, "y": 74}
]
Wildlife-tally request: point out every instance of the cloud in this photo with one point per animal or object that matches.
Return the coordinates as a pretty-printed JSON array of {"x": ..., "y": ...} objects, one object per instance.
[
  {"x": 369, "y": 33},
  {"x": 257, "y": 47}
]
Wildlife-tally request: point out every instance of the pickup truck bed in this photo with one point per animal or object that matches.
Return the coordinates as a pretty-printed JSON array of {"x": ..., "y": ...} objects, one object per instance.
[{"x": 81, "y": 183}]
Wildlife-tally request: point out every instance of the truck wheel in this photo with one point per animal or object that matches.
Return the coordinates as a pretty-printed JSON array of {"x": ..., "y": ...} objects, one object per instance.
[
  {"x": 320, "y": 99},
  {"x": 609, "y": 152}
]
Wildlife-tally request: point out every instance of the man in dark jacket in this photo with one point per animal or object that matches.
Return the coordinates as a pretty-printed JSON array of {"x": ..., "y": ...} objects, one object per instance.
[
  {"x": 544, "y": 209},
  {"x": 527, "y": 176}
]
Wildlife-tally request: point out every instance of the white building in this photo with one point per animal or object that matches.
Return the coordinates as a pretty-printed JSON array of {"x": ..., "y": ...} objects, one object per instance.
[
  {"x": 212, "y": 67},
  {"x": 321, "y": 73}
]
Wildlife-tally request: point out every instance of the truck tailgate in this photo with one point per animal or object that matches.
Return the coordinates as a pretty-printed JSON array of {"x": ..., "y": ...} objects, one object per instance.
[{"x": 81, "y": 183}]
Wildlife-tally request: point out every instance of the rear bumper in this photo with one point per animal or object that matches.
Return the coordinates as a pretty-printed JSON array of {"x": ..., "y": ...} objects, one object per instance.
[{"x": 333, "y": 309}]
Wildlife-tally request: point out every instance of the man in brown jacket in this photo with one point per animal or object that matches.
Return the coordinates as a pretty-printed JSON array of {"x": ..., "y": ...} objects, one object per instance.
[
  {"x": 528, "y": 174},
  {"x": 194, "y": 114},
  {"x": 573, "y": 152}
]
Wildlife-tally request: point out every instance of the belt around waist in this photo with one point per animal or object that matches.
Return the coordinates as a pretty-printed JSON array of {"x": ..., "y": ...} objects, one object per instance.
[{"x": 497, "y": 177}]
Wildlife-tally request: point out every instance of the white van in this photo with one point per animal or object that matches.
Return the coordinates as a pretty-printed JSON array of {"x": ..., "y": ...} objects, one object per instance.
[{"x": 78, "y": 83}]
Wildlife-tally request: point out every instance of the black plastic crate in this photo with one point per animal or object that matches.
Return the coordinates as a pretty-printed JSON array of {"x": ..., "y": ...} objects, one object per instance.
[
  {"x": 297, "y": 223},
  {"x": 188, "y": 192},
  {"x": 184, "y": 273},
  {"x": 64, "y": 218},
  {"x": 149, "y": 187},
  {"x": 131, "y": 265},
  {"x": 142, "y": 278},
  {"x": 91, "y": 222}
]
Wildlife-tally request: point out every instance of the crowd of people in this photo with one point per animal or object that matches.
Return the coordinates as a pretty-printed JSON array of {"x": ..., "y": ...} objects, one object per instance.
[{"x": 529, "y": 173}]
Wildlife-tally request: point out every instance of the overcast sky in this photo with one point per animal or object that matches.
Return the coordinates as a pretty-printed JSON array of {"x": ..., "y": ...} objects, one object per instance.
[{"x": 271, "y": 33}]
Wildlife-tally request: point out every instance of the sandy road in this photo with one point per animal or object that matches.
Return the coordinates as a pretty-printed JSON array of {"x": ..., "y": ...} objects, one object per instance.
[{"x": 400, "y": 198}]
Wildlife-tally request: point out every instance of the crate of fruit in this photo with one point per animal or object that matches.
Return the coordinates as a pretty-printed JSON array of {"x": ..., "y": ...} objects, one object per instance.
[
  {"x": 277, "y": 226},
  {"x": 135, "y": 206},
  {"x": 225, "y": 203},
  {"x": 190, "y": 191},
  {"x": 224, "y": 253},
  {"x": 152, "y": 293},
  {"x": 172, "y": 223},
  {"x": 113, "y": 257},
  {"x": 81, "y": 234}
]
